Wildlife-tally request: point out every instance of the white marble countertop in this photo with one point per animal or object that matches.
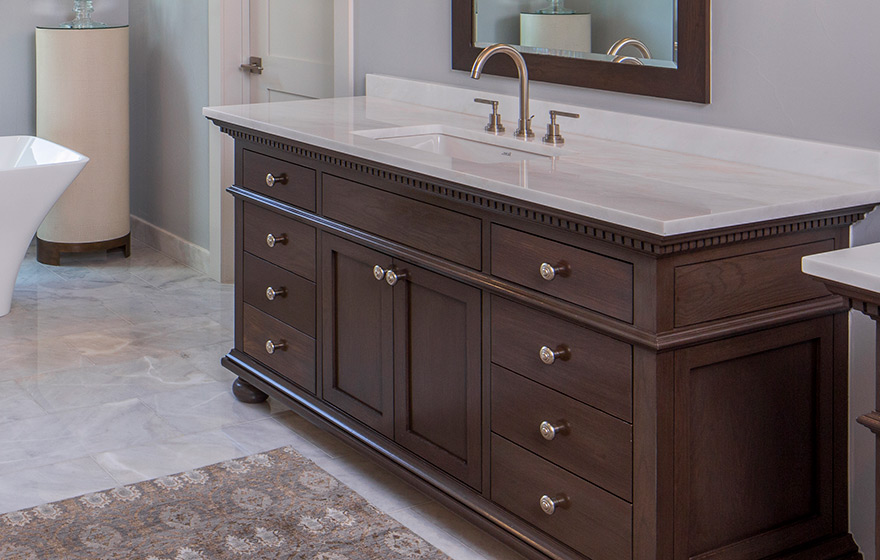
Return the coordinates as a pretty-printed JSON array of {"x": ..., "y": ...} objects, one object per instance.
[
  {"x": 857, "y": 266},
  {"x": 647, "y": 189}
]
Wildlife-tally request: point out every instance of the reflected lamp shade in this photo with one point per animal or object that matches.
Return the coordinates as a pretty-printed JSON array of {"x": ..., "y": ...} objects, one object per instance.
[{"x": 563, "y": 32}]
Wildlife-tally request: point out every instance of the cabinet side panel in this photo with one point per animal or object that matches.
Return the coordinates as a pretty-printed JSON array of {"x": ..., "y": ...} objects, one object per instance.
[{"x": 753, "y": 418}]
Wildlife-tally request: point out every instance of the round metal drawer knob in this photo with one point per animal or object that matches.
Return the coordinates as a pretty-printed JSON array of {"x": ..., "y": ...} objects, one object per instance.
[
  {"x": 393, "y": 276},
  {"x": 378, "y": 272},
  {"x": 550, "y": 431},
  {"x": 549, "y": 505},
  {"x": 271, "y": 180},
  {"x": 272, "y": 293},
  {"x": 272, "y": 240},
  {"x": 271, "y": 346},
  {"x": 549, "y": 356},
  {"x": 549, "y": 272}
]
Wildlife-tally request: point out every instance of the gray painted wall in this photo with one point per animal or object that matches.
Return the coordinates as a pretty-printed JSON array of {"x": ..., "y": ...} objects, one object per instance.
[
  {"x": 803, "y": 68},
  {"x": 18, "y": 61},
  {"x": 169, "y": 135}
]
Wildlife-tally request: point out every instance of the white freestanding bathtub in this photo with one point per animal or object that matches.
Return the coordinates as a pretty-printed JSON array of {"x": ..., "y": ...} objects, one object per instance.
[{"x": 34, "y": 173}]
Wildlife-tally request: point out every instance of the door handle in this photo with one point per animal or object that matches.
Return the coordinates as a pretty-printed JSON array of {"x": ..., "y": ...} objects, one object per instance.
[{"x": 255, "y": 65}]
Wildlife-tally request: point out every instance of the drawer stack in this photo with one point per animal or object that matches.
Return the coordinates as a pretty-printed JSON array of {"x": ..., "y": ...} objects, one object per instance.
[
  {"x": 561, "y": 397},
  {"x": 278, "y": 293}
]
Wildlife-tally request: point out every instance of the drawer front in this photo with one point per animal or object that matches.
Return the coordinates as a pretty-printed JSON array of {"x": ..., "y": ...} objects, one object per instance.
[
  {"x": 592, "y": 521},
  {"x": 292, "y": 183},
  {"x": 432, "y": 229},
  {"x": 295, "y": 361},
  {"x": 733, "y": 286},
  {"x": 593, "y": 368},
  {"x": 589, "y": 443},
  {"x": 584, "y": 278},
  {"x": 294, "y": 246},
  {"x": 293, "y": 300}
]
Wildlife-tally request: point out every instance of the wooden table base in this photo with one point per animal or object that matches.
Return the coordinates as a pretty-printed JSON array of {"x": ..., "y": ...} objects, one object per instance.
[{"x": 49, "y": 252}]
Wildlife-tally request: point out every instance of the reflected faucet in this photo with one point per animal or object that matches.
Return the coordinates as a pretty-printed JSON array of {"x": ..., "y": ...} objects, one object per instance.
[
  {"x": 640, "y": 46},
  {"x": 524, "y": 126}
]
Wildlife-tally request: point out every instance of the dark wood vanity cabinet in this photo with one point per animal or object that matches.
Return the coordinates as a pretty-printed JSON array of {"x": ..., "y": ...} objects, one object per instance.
[
  {"x": 404, "y": 359},
  {"x": 578, "y": 389}
]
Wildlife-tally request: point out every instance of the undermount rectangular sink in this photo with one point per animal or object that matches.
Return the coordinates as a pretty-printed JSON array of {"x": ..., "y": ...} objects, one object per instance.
[{"x": 458, "y": 143}]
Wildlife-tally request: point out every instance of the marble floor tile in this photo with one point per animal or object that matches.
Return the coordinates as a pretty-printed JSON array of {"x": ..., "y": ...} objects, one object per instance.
[
  {"x": 92, "y": 385},
  {"x": 50, "y": 483},
  {"x": 207, "y": 359},
  {"x": 205, "y": 407},
  {"x": 16, "y": 403},
  {"x": 131, "y": 341},
  {"x": 37, "y": 441},
  {"x": 116, "y": 425},
  {"x": 330, "y": 445},
  {"x": 266, "y": 434},
  {"x": 433, "y": 516},
  {"x": 143, "y": 462},
  {"x": 42, "y": 355},
  {"x": 377, "y": 485}
]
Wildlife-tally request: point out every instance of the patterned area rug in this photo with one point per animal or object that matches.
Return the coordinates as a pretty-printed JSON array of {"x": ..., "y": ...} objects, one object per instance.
[{"x": 270, "y": 505}]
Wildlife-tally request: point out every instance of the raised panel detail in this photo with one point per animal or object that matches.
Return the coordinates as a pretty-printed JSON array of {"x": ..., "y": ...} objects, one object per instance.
[
  {"x": 437, "y": 371},
  {"x": 755, "y": 412},
  {"x": 358, "y": 342}
]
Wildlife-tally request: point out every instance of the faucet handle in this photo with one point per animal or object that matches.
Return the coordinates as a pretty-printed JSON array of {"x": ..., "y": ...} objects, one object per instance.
[
  {"x": 494, "y": 126},
  {"x": 553, "y": 135}
]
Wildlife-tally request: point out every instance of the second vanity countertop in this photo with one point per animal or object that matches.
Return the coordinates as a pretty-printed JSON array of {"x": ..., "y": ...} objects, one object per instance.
[{"x": 651, "y": 190}]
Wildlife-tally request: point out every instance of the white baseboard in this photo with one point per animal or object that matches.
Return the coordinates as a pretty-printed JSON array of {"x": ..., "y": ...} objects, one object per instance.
[{"x": 177, "y": 248}]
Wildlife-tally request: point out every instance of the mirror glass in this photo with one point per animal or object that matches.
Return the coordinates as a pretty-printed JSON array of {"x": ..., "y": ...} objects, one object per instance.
[{"x": 582, "y": 29}]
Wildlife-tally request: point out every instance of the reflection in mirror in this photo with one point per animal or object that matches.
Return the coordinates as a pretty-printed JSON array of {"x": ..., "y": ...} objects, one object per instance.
[{"x": 584, "y": 29}]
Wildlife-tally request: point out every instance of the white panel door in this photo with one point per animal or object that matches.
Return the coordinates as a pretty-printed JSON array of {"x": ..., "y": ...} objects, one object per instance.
[{"x": 295, "y": 40}]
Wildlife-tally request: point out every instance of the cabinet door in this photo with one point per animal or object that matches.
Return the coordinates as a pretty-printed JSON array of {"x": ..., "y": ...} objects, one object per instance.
[
  {"x": 358, "y": 344},
  {"x": 437, "y": 371}
]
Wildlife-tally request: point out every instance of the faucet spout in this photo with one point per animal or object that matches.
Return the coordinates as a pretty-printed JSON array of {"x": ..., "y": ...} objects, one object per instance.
[{"x": 524, "y": 128}]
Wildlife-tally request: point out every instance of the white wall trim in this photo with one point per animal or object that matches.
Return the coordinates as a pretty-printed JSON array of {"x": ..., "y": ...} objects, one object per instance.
[
  {"x": 343, "y": 48},
  {"x": 228, "y": 24},
  {"x": 178, "y": 248},
  {"x": 229, "y": 45}
]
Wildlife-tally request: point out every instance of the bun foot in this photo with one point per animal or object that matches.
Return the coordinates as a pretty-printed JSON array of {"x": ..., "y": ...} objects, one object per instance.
[{"x": 247, "y": 393}]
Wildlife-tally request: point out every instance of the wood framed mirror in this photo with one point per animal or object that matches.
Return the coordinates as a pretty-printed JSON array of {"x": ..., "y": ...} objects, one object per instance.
[{"x": 688, "y": 80}]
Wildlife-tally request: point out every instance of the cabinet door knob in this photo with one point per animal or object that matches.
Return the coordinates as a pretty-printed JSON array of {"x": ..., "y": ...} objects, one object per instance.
[
  {"x": 272, "y": 179},
  {"x": 549, "y": 505},
  {"x": 549, "y": 272},
  {"x": 549, "y": 356},
  {"x": 271, "y": 346},
  {"x": 550, "y": 431},
  {"x": 272, "y": 293},
  {"x": 378, "y": 272},
  {"x": 272, "y": 240},
  {"x": 392, "y": 276}
]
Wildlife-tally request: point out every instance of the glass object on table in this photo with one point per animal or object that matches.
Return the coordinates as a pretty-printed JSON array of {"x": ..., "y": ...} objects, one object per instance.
[
  {"x": 556, "y": 7},
  {"x": 83, "y": 16}
]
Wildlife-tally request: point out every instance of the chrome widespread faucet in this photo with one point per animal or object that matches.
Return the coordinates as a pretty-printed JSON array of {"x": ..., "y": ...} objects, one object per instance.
[{"x": 524, "y": 127}]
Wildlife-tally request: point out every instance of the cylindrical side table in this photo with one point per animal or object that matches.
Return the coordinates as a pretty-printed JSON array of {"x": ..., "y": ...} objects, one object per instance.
[{"x": 82, "y": 103}]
